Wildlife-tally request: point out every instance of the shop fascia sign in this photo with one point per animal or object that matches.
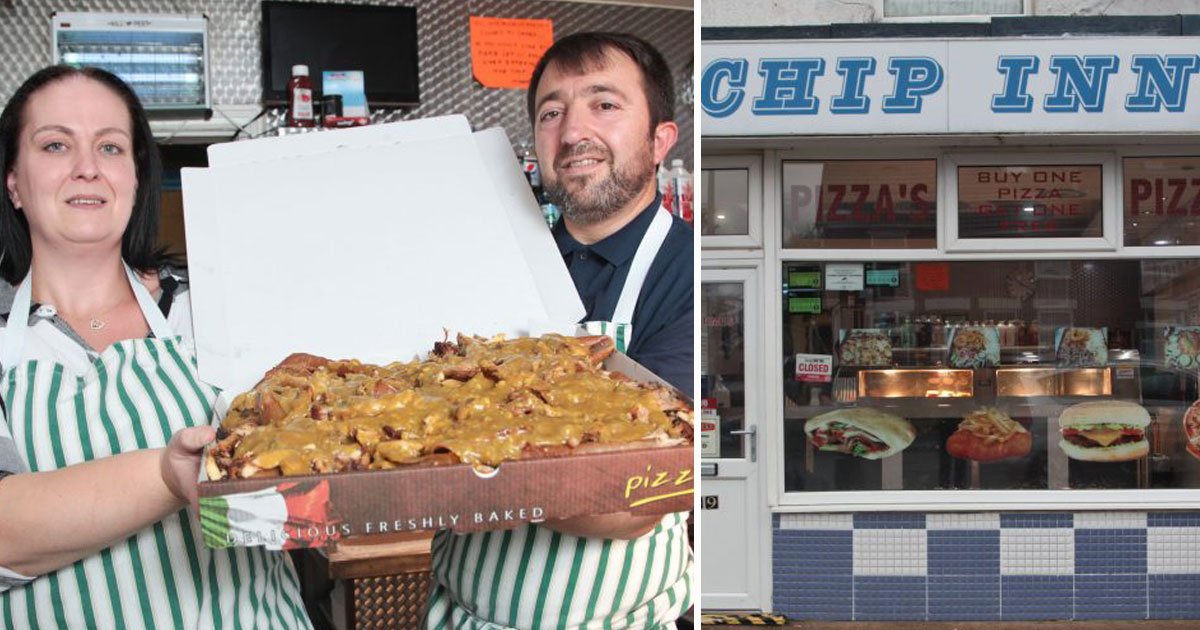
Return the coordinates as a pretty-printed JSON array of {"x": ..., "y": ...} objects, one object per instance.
[{"x": 1061, "y": 85}]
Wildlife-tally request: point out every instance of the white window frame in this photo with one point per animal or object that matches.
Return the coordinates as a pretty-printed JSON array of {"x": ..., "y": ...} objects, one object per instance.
[
  {"x": 831, "y": 254},
  {"x": 752, "y": 163},
  {"x": 1110, "y": 209}
]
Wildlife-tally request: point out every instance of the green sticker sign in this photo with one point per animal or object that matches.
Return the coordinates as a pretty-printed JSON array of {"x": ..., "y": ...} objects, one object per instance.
[
  {"x": 804, "y": 305},
  {"x": 883, "y": 277},
  {"x": 804, "y": 280}
]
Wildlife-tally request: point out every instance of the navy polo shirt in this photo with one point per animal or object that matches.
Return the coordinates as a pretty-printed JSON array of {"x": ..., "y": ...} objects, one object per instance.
[{"x": 662, "y": 317}]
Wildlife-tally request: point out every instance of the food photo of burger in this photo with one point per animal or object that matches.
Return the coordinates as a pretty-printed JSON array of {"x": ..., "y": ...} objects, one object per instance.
[
  {"x": 988, "y": 435},
  {"x": 860, "y": 431},
  {"x": 1104, "y": 431}
]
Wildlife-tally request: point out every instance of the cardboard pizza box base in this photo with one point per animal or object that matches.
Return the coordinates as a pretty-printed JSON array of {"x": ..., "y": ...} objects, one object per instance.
[{"x": 316, "y": 510}]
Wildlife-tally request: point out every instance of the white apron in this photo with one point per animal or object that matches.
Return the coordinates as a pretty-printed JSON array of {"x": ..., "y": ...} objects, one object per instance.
[
  {"x": 134, "y": 395},
  {"x": 536, "y": 578},
  {"x": 620, "y": 327}
]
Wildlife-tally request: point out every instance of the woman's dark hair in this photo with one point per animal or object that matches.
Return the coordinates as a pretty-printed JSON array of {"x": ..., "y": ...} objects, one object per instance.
[
  {"x": 578, "y": 53},
  {"x": 139, "y": 243}
]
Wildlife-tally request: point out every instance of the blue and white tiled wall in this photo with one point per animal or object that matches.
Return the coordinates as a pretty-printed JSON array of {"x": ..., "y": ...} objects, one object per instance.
[{"x": 987, "y": 566}]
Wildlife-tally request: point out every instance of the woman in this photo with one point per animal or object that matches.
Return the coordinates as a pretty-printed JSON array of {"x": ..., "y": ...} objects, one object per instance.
[{"x": 105, "y": 416}]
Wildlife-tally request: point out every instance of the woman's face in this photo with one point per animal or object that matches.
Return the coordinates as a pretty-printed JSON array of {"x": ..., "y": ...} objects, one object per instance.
[{"x": 74, "y": 177}]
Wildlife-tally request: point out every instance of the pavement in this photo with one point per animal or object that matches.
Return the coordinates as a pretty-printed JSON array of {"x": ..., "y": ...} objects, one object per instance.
[{"x": 985, "y": 625}]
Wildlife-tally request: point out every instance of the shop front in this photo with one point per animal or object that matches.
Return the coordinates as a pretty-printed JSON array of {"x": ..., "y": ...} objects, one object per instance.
[{"x": 951, "y": 328}]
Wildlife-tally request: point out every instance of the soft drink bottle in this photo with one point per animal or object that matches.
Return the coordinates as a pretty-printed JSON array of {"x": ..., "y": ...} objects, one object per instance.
[
  {"x": 529, "y": 166},
  {"x": 664, "y": 188},
  {"x": 681, "y": 191}
]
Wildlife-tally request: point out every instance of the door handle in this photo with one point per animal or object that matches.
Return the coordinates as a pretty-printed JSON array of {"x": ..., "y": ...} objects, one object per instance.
[{"x": 752, "y": 432}]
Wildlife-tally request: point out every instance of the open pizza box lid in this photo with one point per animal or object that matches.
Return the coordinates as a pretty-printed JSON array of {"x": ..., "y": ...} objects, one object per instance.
[
  {"x": 369, "y": 243},
  {"x": 364, "y": 243}
]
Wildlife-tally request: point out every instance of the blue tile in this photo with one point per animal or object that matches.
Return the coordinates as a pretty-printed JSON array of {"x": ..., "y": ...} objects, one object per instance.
[
  {"x": 1173, "y": 519},
  {"x": 1110, "y": 597},
  {"x": 1034, "y": 519},
  {"x": 1174, "y": 596},
  {"x": 1035, "y": 597},
  {"x": 813, "y": 552},
  {"x": 1110, "y": 551},
  {"x": 827, "y": 598},
  {"x": 889, "y": 520},
  {"x": 889, "y": 598},
  {"x": 963, "y": 552},
  {"x": 964, "y": 598}
]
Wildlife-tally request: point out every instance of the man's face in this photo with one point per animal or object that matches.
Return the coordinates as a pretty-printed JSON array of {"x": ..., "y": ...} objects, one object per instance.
[{"x": 593, "y": 138}]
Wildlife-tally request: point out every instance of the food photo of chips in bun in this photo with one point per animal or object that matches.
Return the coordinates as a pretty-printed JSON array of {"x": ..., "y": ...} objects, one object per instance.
[
  {"x": 1104, "y": 431},
  {"x": 860, "y": 431},
  {"x": 988, "y": 435}
]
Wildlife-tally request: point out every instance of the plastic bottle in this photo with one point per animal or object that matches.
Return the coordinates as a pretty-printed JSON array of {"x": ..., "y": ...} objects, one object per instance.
[
  {"x": 529, "y": 166},
  {"x": 300, "y": 99},
  {"x": 664, "y": 187},
  {"x": 681, "y": 191}
]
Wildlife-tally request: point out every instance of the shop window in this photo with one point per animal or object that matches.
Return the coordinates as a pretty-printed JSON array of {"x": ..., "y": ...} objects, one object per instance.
[
  {"x": 1162, "y": 201},
  {"x": 731, "y": 201},
  {"x": 1066, "y": 374},
  {"x": 844, "y": 204},
  {"x": 1049, "y": 202}
]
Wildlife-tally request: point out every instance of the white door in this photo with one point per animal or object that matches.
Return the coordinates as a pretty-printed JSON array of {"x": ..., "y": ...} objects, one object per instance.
[{"x": 735, "y": 521}]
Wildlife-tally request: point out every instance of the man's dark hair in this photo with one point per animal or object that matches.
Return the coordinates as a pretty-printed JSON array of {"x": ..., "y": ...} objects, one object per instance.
[
  {"x": 139, "y": 243},
  {"x": 578, "y": 53}
]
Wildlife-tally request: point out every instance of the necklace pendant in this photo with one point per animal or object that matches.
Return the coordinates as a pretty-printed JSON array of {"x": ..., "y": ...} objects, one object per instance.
[{"x": 96, "y": 324}]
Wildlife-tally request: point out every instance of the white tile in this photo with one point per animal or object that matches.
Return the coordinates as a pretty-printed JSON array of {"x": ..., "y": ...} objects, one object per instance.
[
  {"x": 954, "y": 520},
  {"x": 1173, "y": 550},
  {"x": 1037, "y": 551},
  {"x": 1110, "y": 520},
  {"x": 816, "y": 521},
  {"x": 890, "y": 552}
]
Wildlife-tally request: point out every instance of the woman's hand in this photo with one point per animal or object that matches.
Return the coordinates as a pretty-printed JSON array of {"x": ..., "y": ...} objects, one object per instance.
[{"x": 180, "y": 462}]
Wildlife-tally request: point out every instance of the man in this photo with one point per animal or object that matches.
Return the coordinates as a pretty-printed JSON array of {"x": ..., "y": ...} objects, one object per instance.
[{"x": 601, "y": 106}]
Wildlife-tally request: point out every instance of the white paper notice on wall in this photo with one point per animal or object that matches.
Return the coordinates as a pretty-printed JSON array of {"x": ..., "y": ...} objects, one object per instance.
[
  {"x": 844, "y": 277},
  {"x": 710, "y": 429}
]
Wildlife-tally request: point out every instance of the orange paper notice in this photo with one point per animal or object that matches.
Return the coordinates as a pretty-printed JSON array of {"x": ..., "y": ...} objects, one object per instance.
[{"x": 505, "y": 50}]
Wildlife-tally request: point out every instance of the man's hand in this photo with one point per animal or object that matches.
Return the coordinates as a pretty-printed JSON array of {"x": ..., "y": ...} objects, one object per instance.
[
  {"x": 621, "y": 526},
  {"x": 180, "y": 462}
]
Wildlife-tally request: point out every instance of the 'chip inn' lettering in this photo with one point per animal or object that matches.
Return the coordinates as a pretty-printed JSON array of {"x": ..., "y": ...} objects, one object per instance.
[{"x": 1080, "y": 84}]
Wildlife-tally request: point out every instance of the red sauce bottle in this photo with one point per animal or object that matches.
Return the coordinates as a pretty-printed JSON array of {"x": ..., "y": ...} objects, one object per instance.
[{"x": 300, "y": 99}]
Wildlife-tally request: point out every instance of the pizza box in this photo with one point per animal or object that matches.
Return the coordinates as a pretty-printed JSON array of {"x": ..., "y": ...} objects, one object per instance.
[
  {"x": 316, "y": 510},
  {"x": 370, "y": 243},
  {"x": 364, "y": 243}
]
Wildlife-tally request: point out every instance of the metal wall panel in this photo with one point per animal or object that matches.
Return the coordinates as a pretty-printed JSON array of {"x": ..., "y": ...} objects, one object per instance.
[{"x": 444, "y": 48}]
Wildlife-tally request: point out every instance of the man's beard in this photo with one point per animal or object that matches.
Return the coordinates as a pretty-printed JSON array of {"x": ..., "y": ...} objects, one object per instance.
[{"x": 605, "y": 195}]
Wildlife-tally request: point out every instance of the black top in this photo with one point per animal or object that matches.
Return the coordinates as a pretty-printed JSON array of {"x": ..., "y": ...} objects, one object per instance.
[{"x": 662, "y": 317}]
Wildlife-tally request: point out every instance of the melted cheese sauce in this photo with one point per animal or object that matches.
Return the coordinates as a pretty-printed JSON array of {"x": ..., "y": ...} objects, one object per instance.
[{"x": 489, "y": 405}]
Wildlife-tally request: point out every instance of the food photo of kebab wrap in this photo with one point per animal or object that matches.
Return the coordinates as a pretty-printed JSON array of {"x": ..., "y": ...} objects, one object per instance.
[{"x": 860, "y": 431}]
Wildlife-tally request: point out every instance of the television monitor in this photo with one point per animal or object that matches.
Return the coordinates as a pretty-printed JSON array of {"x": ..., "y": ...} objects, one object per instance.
[
  {"x": 164, "y": 58},
  {"x": 381, "y": 41}
]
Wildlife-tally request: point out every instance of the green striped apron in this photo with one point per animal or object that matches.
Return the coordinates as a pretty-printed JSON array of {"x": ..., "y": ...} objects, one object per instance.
[
  {"x": 620, "y": 328},
  {"x": 135, "y": 395},
  {"x": 533, "y": 577}
]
